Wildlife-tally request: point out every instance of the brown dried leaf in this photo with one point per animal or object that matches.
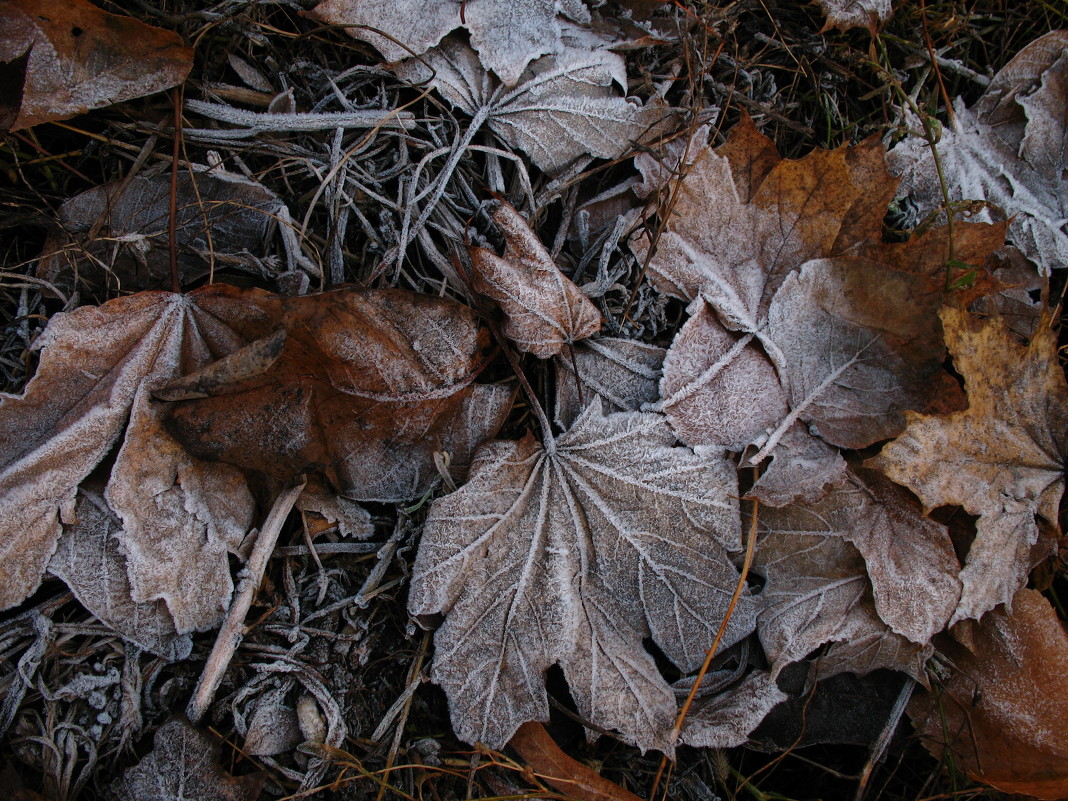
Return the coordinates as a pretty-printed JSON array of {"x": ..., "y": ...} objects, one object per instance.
[
  {"x": 1003, "y": 458},
  {"x": 367, "y": 387},
  {"x": 822, "y": 589},
  {"x": 572, "y": 556},
  {"x": 717, "y": 389},
  {"x": 860, "y": 344},
  {"x": 218, "y": 215},
  {"x": 569, "y": 776},
  {"x": 543, "y": 310},
  {"x": 1005, "y": 705},
  {"x": 184, "y": 763},
  {"x": 624, "y": 373},
  {"x": 88, "y": 559},
  {"x": 97, "y": 364},
  {"x": 84, "y": 58},
  {"x": 802, "y": 468}
]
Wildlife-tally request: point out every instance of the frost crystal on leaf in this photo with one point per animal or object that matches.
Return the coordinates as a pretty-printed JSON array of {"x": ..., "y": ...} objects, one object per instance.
[{"x": 572, "y": 556}]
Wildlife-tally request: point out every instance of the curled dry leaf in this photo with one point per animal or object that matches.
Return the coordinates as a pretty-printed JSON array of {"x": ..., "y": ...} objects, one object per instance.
[
  {"x": 183, "y": 763},
  {"x": 1002, "y": 711},
  {"x": 543, "y": 310},
  {"x": 82, "y": 59},
  {"x": 508, "y": 35},
  {"x": 88, "y": 559},
  {"x": 220, "y": 216},
  {"x": 365, "y": 388},
  {"x": 572, "y": 555},
  {"x": 97, "y": 369},
  {"x": 1002, "y": 459},
  {"x": 566, "y": 105},
  {"x": 1008, "y": 151},
  {"x": 625, "y": 374}
]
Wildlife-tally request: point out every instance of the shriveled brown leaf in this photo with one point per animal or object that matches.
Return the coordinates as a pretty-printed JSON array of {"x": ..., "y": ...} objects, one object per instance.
[
  {"x": 543, "y": 310},
  {"x": 1002, "y": 459},
  {"x": 623, "y": 372},
  {"x": 367, "y": 386},
  {"x": 97, "y": 365},
  {"x": 572, "y": 556},
  {"x": 184, "y": 763},
  {"x": 569, "y": 776},
  {"x": 219, "y": 215},
  {"x": 88, "y": 559},
  {"x": 84, "y": 58},
  {"x": 1002, "y": 711}
]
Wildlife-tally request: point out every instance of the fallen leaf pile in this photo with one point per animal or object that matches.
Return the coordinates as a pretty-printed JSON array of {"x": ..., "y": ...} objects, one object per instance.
[{"x": 771, "y": 474}]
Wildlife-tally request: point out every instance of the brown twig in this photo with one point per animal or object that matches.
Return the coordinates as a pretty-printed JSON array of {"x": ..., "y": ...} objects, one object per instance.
[{"x": 233, "y": 629}]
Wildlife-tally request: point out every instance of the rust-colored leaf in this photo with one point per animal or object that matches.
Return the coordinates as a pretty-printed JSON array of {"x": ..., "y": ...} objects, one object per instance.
[
  {"x": 367, "y": 386},
  {"x": 80, "y": 58},
  {"x": 1003, "y": 711},
  {"x": 543, "y": 310},
  {"x": 558, "y": 770}
]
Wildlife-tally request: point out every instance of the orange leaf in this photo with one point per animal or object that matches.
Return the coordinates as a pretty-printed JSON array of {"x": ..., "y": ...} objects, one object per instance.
[
  {"x": 1005, "y": 708},
  {"x": 565, "y": 774}
]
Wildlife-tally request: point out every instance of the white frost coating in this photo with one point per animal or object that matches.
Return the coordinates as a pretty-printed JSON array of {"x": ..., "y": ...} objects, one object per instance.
[{"x": 564, "y": 558}]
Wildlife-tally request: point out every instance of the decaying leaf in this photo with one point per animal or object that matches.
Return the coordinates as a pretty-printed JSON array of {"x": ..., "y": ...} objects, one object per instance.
[
  {"x": 569, "y": 776},
  {"x": 82, "y": 59},
  {"x": 562, "y": 556},
  {"x": 1007, "y": 150},
  {"x": 860, "y": 567},
  {"x": 565, "y": 106},
  {"x": 543, "y": 310},
  {"x": 1002, "y": 711},
  {"x": 97, "y": 364},
  {"x": 846, "y": 14},
  {"x": 184, "y": 764},
  {"x": 221, "y": 217},
  {"x": 624, "y": 373},
  {"x": 1003, "y": 458},
  {"x": 803, "y": 468},
  {"x": 507, "y": 36},
  {"x": 366, "y": 387},
  {"x": 88, "y": 559}
]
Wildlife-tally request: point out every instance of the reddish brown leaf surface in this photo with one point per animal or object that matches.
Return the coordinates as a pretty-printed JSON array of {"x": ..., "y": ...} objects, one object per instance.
[
  {"x": 558, "y": 770},
  {"x": 543, "y": 310},
  {"x": 367, "y": 386},
  {"x": 97, "y": 370},
  {"x": 1005, "y": 706},
  {"x": 82, "y": 58}
]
